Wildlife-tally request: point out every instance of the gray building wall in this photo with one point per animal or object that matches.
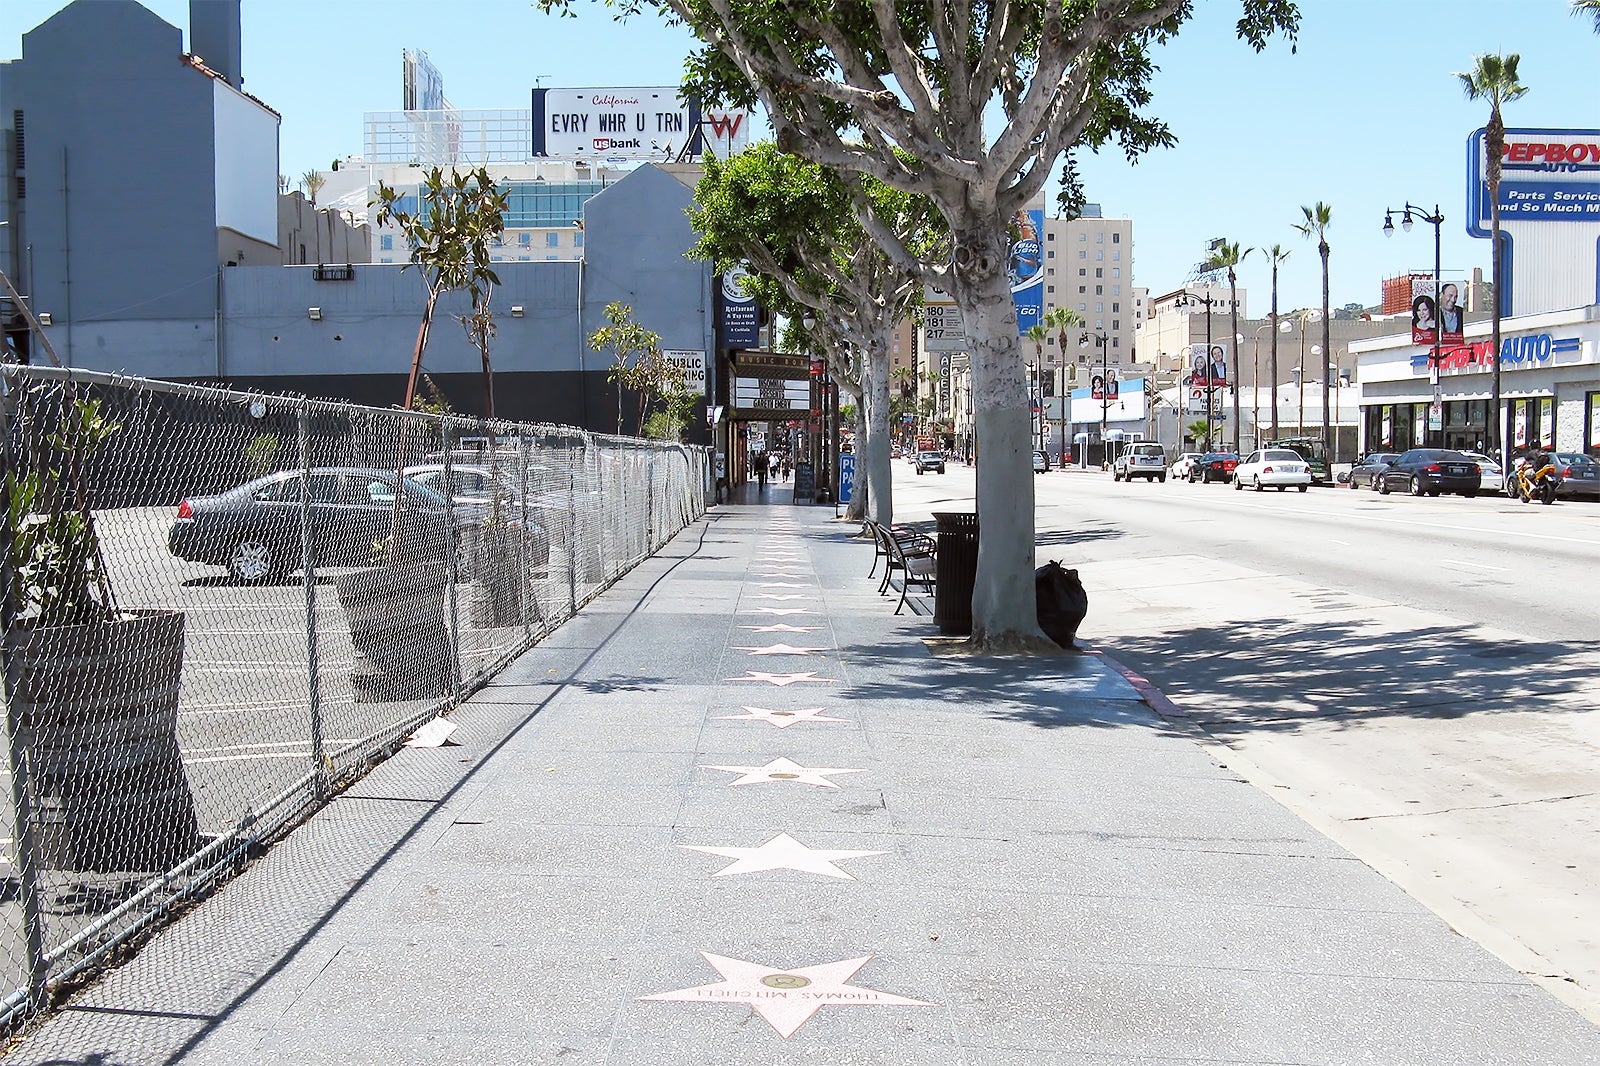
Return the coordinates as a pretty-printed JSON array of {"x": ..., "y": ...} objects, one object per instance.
[
  {"x": 636, "y": 235},
  {"x": 116, "y": 233}
]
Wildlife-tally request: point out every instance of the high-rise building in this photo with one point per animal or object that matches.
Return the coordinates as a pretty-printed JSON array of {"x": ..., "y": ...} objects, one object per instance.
[{"x": 1088, "y": 267}]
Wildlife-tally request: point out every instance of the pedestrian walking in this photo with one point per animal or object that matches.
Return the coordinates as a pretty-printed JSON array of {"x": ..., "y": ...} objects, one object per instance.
[{"x": 785, "y": 467}]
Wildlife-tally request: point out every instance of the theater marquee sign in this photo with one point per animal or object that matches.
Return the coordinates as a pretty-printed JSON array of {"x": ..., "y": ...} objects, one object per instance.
[{"x": 771, "y": 385}]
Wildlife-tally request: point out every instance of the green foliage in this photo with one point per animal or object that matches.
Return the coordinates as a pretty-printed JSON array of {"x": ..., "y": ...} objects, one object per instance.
[
  {"x": 1199, "y": 432},
  {"x": 638, "y": 365},
  {"x": 57, "y": 575}
]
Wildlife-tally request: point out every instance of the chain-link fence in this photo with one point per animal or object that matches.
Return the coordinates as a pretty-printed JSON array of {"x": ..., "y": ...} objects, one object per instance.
[{"x": 220, "y": 607}]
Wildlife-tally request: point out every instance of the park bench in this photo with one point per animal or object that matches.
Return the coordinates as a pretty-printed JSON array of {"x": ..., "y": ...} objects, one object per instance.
[{"x": 911, "y": 553}]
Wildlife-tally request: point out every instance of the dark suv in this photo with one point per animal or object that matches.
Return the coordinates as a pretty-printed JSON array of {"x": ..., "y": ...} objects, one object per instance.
[{"x": 930, "y": 461}]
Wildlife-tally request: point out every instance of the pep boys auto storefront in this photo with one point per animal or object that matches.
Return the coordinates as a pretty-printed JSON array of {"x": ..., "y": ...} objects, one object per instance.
[{"x": 1549, "y": 385}]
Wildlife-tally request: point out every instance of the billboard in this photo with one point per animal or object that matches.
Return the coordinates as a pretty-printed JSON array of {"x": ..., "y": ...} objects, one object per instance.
[
  {"x": 1025, "y": 266},
  {"x": 621, "y": 124},
  {"x": 1206, "y": 367},
  {"x": 741, "y": 315},
  {"x": 1429, "y": 313}
]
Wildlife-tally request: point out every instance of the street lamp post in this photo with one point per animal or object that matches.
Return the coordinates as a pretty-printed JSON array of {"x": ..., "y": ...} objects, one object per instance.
[
  {"x": 1255, "y": 382},
  {"x": 1185, "y": 299},
  {"x": 1436, "y": 220},
  {"x": 1308, "y": 315},
  {"x": 1102, "y": 340}
]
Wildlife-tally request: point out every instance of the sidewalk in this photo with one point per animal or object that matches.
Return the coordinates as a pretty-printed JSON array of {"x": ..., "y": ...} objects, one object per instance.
[{"x": 737, "y": 811}]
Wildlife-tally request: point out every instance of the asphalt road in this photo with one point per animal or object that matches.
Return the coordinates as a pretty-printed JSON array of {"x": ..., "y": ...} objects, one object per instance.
[{"x": 1415, "y": 677}]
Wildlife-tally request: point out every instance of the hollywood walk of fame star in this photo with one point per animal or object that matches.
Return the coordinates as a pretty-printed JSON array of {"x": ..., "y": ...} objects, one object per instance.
[
  {"x": 783, "y": 680},
  {"x": 781, "y": 719},
  {"x": 779, "y": 649},
  {"x": 786, "y": 999},
  {"x": 784, "y": 769},
  {"x": 783, "y": 852},
  {"x": 782, "y": 627},
  {"x": 781, "y": 610},
  {"x": 780, "y": 599}
]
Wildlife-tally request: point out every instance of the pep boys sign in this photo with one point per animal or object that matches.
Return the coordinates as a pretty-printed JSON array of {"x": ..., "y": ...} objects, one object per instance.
[{"x": 1515, "y": 352}]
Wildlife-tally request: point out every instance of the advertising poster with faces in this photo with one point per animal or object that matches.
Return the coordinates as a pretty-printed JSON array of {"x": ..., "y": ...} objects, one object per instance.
[{"x": 1428, "y": 312}]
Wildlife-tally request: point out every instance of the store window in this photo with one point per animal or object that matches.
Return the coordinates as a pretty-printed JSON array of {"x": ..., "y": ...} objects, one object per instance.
[{"x": 1591, "y": 424}]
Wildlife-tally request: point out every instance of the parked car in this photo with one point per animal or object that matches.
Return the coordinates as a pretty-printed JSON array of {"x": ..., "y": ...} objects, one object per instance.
[
  {"x": 1490, "y": 477},
  {"x": 1213, "y": 466},
  {"x": 1041, "y": 462},
  {"x": 1367, "y": 468},
  {"x": 1580, "y": 475},
  {"x": 1180, "y": 468},
  {"x": 1430, "y": 471},
  {"x": 1147, "y": 460},
  {"x": 926, "y": 461},
  {"x": 1275, "y": 468},
  {"x": 254, "y": 529}
]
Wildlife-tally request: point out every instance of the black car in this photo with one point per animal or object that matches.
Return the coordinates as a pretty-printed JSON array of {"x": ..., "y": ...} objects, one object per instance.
[
  {"x": 1213, "y": 466},
  {"x": 1430, "y": 471},
  {"x": 1366, "y": 470},
  {"x": 254, "y": 529}
]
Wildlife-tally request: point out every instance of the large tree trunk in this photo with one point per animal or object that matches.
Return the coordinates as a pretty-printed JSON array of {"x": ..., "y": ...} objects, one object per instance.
[
  {"x": 1004, "y": 616},
  {"x": 1500, "y": 430},
  {"x": 877, "y": 467}
]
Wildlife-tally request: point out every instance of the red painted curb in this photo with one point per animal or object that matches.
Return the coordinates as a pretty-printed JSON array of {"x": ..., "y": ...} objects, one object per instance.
[{"x": 1146, "y": 689}]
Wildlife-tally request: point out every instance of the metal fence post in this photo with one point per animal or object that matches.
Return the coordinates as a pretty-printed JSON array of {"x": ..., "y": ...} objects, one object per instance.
[
  {"x": 530, "y": 599},
  {"x": 451, "y": 557},
  {"x": 308, "y": 563},
  {"x": 26, "y": 843}
]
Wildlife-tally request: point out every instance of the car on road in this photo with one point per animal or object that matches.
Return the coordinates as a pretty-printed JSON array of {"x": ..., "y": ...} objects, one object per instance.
[
  {"x": 1180, "y": 466},
  {"x": 1430, "y": 471},
  {"x": 1580, "y": 475},
  {"x": 1213, "y": 466},
  {"x": 1490, "y": 476},
  {"x": 926, "y": 461},
  {"x": 1366, "y": 470},
  {"x": 1147, "y": 460},
  {"x": 1041, "y": 462},
  {"x": 1273, "y": 468}
]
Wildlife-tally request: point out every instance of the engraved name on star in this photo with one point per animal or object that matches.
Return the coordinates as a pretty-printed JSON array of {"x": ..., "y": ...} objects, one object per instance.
[
  {"x": 782, "y": 627},
  {"x": 781, "y": 610},
  {"x": 784, "y": 769},
  {"x": 783, "y": 680},
  {"x": 777, "y": 649},
  {"x": 785, "y": 585},
  {"x": 783, "y": 852},
  {"x": 781, "y": 719},
  {"x": 786, "y": 998}
]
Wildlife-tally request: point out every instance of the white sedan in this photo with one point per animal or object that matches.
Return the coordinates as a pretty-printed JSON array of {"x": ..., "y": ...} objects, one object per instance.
[
  {"x": 1276, "y": 468},
  {"x": 1180, "y": 468},
  {"x": 1490, "y": 479}
]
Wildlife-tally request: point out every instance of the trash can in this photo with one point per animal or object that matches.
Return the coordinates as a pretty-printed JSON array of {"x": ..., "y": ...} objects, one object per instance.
[{"x": 956, "y": 572}]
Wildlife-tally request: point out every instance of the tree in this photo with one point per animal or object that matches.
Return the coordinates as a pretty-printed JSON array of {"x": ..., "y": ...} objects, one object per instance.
[
  {"x": 1276, "y": 255},
  {"x": 1590, "y": 8},
  {"x": 801, "y": 228},
  {"x": 1317, "y": 221},
  {"x": 1494, "y": 78},
  {"x": 450, "y": 234},
  {"x": 1226, "y": 256},
  {"x": 899, "y": 92},
  {"x": 1200, "y": 432},
  {"x": 638, "y": 365}
]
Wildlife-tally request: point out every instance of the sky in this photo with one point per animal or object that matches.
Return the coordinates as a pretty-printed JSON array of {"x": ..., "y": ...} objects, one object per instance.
[{"x": 1365, "y": 115}]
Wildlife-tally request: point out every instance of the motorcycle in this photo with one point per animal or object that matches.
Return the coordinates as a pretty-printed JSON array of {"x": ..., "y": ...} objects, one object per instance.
[{"x": 1538, "y": 484}]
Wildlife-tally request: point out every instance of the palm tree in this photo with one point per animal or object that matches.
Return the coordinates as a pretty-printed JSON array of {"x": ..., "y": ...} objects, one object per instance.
[
  {"x": 1227, "y": 256},
  {"x": 1061, "y": 319},
  {"x": 1318, "y": 219},
  {"x": 1275, "y": 255},
  {"x": 1494, "y": 78},
  {"x": 1198, "y": 431},
  {"x": 1590, "y": 8},
  {"x": 313, "y": 182},
  {"x": 1038, "y": 334}
]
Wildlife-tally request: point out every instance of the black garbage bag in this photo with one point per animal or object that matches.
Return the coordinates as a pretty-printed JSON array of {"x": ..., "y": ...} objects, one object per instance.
[{"x": 1062, "y": 603}]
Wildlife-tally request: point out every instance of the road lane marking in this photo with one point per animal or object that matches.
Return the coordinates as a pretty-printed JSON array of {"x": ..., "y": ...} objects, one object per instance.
[{"x": 1475, "y": 566}]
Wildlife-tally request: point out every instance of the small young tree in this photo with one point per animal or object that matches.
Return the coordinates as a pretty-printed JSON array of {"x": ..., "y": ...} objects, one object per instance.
[
  {"x": 457, "y": 220},
  {"x": 638, "y": 365}
]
